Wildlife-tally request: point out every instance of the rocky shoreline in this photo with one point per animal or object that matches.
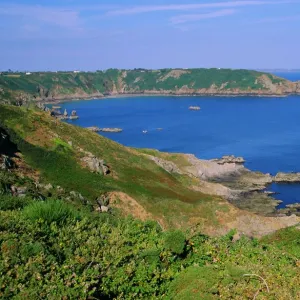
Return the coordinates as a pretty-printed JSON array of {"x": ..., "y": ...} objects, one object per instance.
[{"x": 229, "y": 178}]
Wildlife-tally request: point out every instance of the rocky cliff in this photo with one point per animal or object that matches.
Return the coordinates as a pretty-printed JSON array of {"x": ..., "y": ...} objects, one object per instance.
[{"x": 69, "y": 85}]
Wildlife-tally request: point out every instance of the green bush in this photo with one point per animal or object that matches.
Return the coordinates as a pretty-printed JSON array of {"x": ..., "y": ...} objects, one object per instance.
[
  {"x": 8, "y": 202},
  {"x": 51, "y": 211},
  {"x": 175, "y": 241}
]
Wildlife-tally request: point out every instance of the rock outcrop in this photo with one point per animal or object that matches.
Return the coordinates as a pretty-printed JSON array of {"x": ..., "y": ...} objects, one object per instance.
[
  {"x": 95, "y": 164},
  {"x": 206, "y": 169},
  {"x": 287, "y": 177},
  {"x": 226, "y": 159},
  {"x": 227, "y": 177},
  {"x": 166, "y": 164},
  {"x": 97, "y": 129}
]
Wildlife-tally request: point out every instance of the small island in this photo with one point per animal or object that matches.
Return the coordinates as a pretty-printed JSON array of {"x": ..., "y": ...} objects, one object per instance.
[{"x": 97, "y": 129}]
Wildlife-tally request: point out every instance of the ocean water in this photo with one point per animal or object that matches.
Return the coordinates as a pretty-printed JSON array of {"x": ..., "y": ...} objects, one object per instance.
[{"x": 263, "y": 130}]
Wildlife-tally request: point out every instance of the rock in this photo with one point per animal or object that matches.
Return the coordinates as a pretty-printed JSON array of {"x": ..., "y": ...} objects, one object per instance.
[
  {"x": 103, "y": 203},
  {"x": 104, "y": 208},
  {"x": 294, "y": 206},
  {"x": 97, "y": 129},
  {"x": 48, "y": 186},
  {"x": 59, "y": 189},
  {"x": 19, "y": 191},
  {"x": 96, "y": 165},
  {"x": 74, "y": 194},
  {"x": 94, "y": 129},
  {"x": 166, "y": 165},
  {"x": 7, "y": 163},
  {"x": 70, "y": 143},
  {"x": 81, "y": 197},
  {"x": 78, "y": 196},
  {"x": 111, "y": 129},
  {"x": 287, "y": 177},
  {"x": 270, "y": 193},
  {"x": 207, "y": 169},
  {"x": 103, "y": 200},
  {"x": 227, "y": 159}
]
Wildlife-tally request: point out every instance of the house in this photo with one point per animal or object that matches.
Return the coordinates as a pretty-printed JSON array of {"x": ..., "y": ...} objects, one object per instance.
[
  {"x": 76, "y": 71},
  {"x": 28, "y": 73}
]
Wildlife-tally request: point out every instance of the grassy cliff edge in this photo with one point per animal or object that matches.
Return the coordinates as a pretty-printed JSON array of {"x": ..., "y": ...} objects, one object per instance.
[{"x": 69, "y": 85}]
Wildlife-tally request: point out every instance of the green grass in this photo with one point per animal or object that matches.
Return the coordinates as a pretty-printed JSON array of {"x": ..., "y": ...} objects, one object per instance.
[{"x": 51, "y": 211}]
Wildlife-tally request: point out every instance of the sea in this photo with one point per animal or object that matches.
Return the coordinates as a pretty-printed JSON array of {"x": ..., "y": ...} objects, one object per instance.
[{"x": 263, "y": 130}]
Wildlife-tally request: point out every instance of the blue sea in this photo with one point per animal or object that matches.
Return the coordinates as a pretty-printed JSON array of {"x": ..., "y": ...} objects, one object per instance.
[{"x": 263, "y": 130}]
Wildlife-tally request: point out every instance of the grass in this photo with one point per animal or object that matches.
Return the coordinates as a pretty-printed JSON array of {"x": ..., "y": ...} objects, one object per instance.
[{"x": 51, "y": 211}]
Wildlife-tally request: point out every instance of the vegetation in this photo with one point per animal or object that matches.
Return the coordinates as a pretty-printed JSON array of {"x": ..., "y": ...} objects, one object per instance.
[
  {"x": 105, "y": 257},
  {"x": 55, "y": 244},
  {"x": 50, "y": 85}
]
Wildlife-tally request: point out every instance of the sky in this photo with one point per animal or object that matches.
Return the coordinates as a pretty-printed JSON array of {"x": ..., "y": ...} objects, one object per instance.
[{"x": 92, "y": 35}]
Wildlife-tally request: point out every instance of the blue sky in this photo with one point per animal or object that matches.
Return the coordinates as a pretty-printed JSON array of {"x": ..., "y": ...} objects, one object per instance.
[{"x": 91, "y": 35}]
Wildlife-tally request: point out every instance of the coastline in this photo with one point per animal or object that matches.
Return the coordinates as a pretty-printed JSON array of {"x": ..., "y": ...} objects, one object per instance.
[{"x": 130, "y": 95}]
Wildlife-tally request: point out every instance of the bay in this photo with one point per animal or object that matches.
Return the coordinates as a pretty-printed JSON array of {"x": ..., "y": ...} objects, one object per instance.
[{"x": 264, "y": 130}]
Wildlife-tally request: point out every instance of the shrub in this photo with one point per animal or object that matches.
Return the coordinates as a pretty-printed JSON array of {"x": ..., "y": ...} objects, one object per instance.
[
  {"x": 175, "y": 241},
  {"x": 51, "y": 211},
  {"x": 8, "y": 202}
]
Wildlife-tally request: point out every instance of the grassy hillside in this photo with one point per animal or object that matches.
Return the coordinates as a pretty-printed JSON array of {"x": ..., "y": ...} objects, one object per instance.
[
  {"x": 179, "y": 81},
  {"x": 55, "y": 244},
  {"x": 45, "y": 146}
]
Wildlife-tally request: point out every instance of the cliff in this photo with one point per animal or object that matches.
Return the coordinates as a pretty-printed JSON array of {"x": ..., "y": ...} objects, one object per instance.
[{"x": 69, "y": 85}]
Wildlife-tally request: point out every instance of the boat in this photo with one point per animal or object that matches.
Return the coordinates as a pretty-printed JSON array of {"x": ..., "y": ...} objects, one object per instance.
[{"x": 194, "y": 108}]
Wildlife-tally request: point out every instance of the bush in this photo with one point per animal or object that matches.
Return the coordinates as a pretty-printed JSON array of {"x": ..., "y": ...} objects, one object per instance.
[
  {"x": 175, "y": 241},
  {"x": 51, "y": 211},
  {"x": 8, "y": 202}
]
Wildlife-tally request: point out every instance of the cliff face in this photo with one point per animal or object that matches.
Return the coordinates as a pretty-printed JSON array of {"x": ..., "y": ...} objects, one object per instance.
[{"x": 68, "y": 85}]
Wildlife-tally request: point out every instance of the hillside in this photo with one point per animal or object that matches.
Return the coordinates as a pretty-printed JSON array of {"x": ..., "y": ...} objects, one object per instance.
[
  {"x": 145, "y": 183},
  {"x": 66, "y": 197},
  {"x": 69, "y": 85}
]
